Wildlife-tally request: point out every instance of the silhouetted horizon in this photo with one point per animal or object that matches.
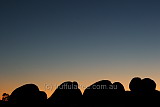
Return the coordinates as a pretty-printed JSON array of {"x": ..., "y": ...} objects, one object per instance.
[
  {"x": 68, "y": 94},
  {"x": 49, "y": 42}
]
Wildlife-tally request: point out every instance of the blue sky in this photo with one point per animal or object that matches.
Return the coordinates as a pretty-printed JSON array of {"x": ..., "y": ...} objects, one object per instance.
[{"x": 77, "y": 38}]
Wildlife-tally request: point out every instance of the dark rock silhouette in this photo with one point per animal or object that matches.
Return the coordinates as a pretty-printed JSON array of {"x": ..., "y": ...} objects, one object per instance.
[
  {"x": 27, "y": 94},
  {"x": 100, "y": 88},
  {"x": 102, "y": 93},
  {"x": 135, "y": 84},
  {"x": 67, "y": 94},
  {"x": 143, "y": 92},
  {"x": 42, "y": 97},
  {"x": 148, "y": 85},
  {"x": 119, "y": 89},
  {"x": 142, "y": 87}
]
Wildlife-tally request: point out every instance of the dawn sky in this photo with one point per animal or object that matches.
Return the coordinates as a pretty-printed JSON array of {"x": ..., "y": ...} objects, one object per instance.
[{"x": 52, "y": 41}]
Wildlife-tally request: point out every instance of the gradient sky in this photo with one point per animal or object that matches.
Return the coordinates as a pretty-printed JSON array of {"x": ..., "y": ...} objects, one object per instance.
[{"x": 52, "y": 41}]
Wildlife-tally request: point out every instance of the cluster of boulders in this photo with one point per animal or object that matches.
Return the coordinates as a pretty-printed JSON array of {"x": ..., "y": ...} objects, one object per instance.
[{"x": 101, "y": 93}]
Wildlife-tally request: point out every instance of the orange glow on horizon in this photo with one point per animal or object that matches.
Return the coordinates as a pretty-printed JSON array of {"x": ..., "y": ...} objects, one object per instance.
[{"x": 50, "y": 92}]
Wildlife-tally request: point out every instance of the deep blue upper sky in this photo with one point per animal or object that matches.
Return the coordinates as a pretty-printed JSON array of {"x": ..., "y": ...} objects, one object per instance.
[
  {"x": 67, "y": 26},
  {"x": 67, "y": 33}
]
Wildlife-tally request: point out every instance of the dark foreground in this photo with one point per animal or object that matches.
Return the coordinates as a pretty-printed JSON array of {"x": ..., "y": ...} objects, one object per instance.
[{"x": 100, "y": 94}]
